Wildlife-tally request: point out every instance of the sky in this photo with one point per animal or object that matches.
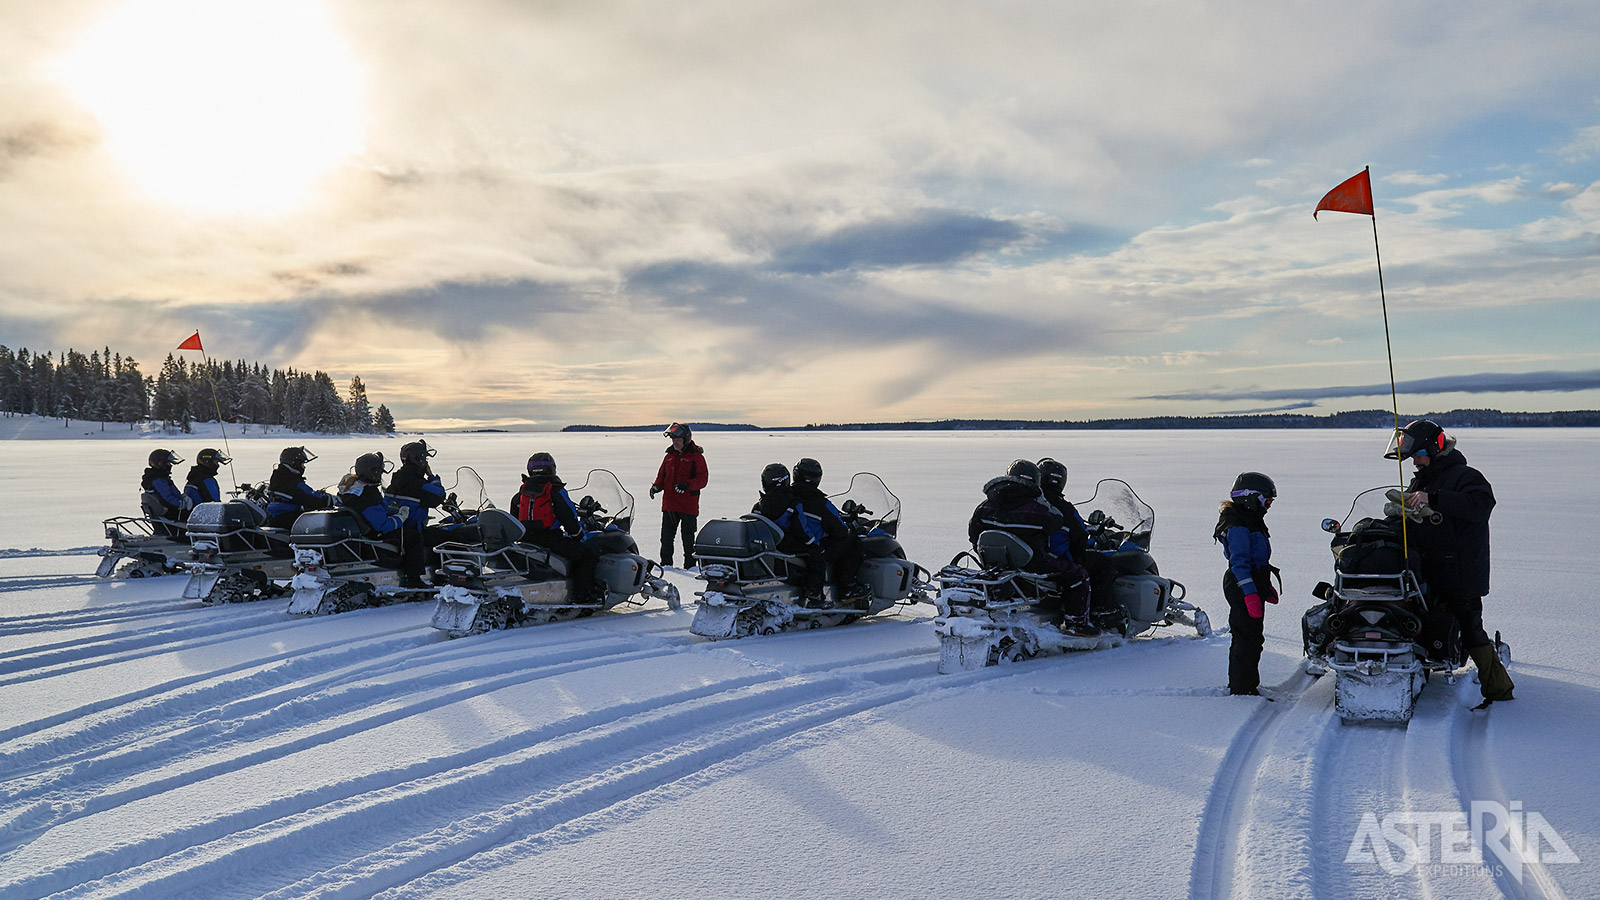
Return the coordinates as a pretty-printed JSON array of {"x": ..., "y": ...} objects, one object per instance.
[{"x": 531, "y": 214}]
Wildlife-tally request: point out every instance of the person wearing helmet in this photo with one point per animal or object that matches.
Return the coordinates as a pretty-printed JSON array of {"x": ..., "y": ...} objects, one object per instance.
[
  {"x": 1454, "y": 541},
  {"x": 680, "y": 480},
  {"x": 1071, "y": 545},
  {"x": 1247, "y": 583},
  {"x": 201, "y": 484},
  {"x": 1014, "y": 503},
  {"x": 163, "y": 504},
  {"x": 415, "y": 489},
  {"x": 291, "y": 495},
  {"x": 779, "y": 505},
  {"x": 824, "y": 528},
  {"x": 550, "y": 520},
  {"x": 361, "y": 492}
]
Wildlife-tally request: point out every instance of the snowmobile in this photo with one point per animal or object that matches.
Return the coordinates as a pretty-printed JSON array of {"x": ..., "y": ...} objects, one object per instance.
[
  {"x": 1375, "y": 628},
  {"x": 338, "y": 566},
  {"x": 494, "y": 582},
  {"x": 233, "y": 555},
  {"x": 753, "y": 588},
  {"x": 992, "y": 610},
  {"x": 155, "y": 546}
]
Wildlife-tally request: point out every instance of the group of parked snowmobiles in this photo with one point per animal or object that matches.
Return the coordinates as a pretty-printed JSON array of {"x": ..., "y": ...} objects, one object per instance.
[{"x": 1374, "y": 628}]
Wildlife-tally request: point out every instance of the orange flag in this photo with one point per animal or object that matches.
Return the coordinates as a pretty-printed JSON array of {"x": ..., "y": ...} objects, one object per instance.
[
  {"x": 193, "y": 343},
  {"x": 1354, "y": 195}
]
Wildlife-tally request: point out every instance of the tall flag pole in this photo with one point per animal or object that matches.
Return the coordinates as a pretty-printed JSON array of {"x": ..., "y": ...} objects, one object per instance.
[
  {"x": 1354, "y": 195},
  {"x": 193, "y": 343}
]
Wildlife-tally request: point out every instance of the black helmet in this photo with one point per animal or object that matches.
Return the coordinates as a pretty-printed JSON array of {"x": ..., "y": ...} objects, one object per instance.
[
  {"x": 542, "y": 465},
  {"x": 164, "y": 459},
  {"x": 417, "y": 452},
  {"x": 1052, "y": 475},
  {"x": 370, "y": 467},
  {"x": 773, "y": 477},
  {"x": 209, "y": 458},
  {"x": 1025, "y": 470},
  {"x": 678, "y": 430},
  {"x": 1420, "y": 438},
  {"x": 808, "y": 472},
  {"x": 295, "y": 457},
  {"x": 1253, "y": 492}
]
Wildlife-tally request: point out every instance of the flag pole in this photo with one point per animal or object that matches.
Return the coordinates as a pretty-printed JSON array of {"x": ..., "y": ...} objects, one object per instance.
[
  {"x": 215, "y": 404},
  {"x": 1394, "y": 394}
]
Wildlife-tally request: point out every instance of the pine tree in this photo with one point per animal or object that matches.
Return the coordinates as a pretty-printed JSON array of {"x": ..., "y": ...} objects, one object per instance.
[
  {"x": 383, "y": 420},
  {"x": 359, "y": 410}
]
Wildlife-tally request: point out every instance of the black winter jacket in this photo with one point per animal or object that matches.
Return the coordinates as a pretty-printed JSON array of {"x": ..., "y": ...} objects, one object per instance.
[
  {"x": 1016, "y": 506},
  {"x": 1455, "y": 543}
]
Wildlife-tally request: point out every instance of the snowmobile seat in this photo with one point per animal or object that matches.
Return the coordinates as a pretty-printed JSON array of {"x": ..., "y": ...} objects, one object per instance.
[{"x": 1004, "y": 550}]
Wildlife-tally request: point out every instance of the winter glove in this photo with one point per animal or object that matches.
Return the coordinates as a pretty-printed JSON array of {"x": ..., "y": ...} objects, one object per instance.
[
  {"x": 1252, "y": 605},
  {"x": 654, "y": 490},
  {"x": 402, "y": 513},
  {"x": 680, "y": 487},
  {"x": 1269, "y": 594}
]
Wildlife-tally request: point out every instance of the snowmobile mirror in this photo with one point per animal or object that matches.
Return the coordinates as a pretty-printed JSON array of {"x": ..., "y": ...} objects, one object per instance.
[
  {"x": 1323, "y": 591},
  {"x": 1096, "y": 517},
  {"x": 1331, "y": 526},
  {"x": 849, "y": 508}
]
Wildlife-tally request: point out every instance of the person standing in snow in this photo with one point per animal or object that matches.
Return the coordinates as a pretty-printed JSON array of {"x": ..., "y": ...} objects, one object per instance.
[
  {"x": 1454, "y": 540},
  {"x": 1247, "y": 583},
  {"x": 680, "y": 480}
]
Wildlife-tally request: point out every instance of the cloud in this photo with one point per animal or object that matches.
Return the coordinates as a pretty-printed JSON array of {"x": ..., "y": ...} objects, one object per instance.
[
  {"x": 923, "y": 238},
  {"x": 1585, "y": 145},
  {"x": 1484, "y": 383}
]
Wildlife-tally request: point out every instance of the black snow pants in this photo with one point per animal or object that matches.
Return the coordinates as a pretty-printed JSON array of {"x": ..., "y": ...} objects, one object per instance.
[
  {"x": 1248, "y": 637},
  {"x": 671, "y": 522}
]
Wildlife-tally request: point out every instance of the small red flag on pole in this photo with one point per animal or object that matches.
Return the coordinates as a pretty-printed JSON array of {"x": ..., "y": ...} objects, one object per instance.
[
  {"x": 1353, "y": 195},
  {"x": 193, "y": 343}
]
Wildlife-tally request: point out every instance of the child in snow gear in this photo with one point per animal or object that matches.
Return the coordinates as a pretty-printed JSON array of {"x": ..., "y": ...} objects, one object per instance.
[
  {"x": 163, "y": 504},
  {"x": 415, "y": 489},
  {"x": 823, "y": 526},
  {"x": 363, "y": 495},
  {"x": 291, "y": 495},
  {"x": 1071, "y": 545},
  {"x": 201, "y": 484},
  {"x": 680, "y": 480},
  {"x": 1015, "y": 504},
  {"x": 1247, "y": 583},
  {"x": 1454, "y": 542},
  {"x": 779, "y": 504},
  {"x": 550, "y": 520}
]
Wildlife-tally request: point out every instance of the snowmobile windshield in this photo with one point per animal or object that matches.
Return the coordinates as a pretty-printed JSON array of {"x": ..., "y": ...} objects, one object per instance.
[
  {"x": 469, "y": 489},
  {"x": 1369, "y": 504},
  {"x": 602, "y": 502},
  {"x": 870, "y": 503},
  {"x": 1116, "y": 515}
]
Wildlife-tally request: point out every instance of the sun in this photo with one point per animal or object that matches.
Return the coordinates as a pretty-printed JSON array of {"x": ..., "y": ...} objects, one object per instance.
[{"x": 221, "y": 106}]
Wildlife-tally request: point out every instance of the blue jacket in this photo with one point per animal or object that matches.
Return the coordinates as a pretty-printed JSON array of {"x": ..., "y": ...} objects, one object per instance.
[
  {"x": 291, "y": 495},
  {"x": 159, "y": 482},
  {"x": 366, "y": 500},
  {"x": 1247, "y": 545},
  {"x": 202, "y": 487},
  {"x": 416, "y": 489}
]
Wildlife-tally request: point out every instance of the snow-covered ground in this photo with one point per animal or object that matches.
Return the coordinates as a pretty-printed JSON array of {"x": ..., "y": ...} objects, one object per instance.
[{"x": 152, "y": 747}]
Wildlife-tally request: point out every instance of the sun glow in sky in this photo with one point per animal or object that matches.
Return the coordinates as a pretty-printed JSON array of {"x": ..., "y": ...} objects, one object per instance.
[{"x": 221, "y": 106}]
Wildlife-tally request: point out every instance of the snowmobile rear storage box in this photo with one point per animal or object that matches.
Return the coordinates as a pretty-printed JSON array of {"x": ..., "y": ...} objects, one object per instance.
[
  {"x": 739, "y": 538},
  {"x": 325, "y": 526},
  {"x": 221, "y": 518}
]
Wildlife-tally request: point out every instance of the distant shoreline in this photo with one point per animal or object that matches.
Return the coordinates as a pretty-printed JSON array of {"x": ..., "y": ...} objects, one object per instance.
[{"x": 1366, "y": 418}]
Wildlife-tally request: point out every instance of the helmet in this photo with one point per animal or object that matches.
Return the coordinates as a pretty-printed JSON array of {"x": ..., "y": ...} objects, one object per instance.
[
  {"x": 211, "y": 458},
  {"x": 160, "y": 458},
  {"x": 1052, "y": 475},
  {"x": 678, "y": 430},
  {"x": 808, "y": 472},
  {"x": 1253, "y": 492},
  {"x": 542, "y": 464},
  {"x": 1027, "y": 471},
  {"x": 370, "y": 467},
  {"x": 295, "y": 457},
  {"x": 417, "y": 452},
  {"x": 774, "y": 476},
  {"x": 1420, "y": 438}
]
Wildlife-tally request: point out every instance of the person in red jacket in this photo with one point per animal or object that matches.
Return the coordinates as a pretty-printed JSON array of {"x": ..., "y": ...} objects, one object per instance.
[{"x": 681, "y": 479}]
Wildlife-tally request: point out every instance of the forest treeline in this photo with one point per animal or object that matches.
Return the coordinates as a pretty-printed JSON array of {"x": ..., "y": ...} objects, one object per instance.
[{"x": 109, "y": 387}]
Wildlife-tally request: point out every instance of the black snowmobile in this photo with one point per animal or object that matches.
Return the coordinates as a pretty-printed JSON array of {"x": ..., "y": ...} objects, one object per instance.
[
  {"x": 753, "y": 588},
  {"x": 992, "y": 610},
  {"x": 339, "y": 565},
  {"x": 156, "y": 545},
  {"x": 492, "y": 581},
  {"x": 1375, "y": 628}
]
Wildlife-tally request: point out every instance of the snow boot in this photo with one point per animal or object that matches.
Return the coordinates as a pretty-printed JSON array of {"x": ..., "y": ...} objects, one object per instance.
[
  {"x": 1493, "y": 678},
  {"x": 1078, "y": 626}
]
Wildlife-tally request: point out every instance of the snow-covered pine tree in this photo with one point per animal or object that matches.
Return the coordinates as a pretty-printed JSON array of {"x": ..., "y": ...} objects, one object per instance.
[{"x": 383, "y": 420}]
